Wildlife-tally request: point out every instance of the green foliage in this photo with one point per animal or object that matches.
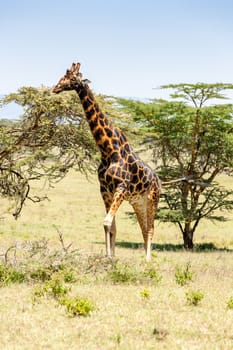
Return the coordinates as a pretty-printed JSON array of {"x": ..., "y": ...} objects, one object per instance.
[
  {"x": 230, "y": 303},
  {"x": 152, "y": 273},
  {"x": 52, "y": 288},
  {"x": 50, "y": 138},
  {"x": 77, "y": 306},
  {"x": 69, "y": 275},
  {"x": 9, "y": 274},
  {"x": 145, "y": 294},
  {"x": 194, "y": 297},
  {"x": 56, "y": 287},
  {"x": 159, "y": 333},
  {"x": 40, "y": 274},
  {"x": 118, "y": 338},
  {"x": 58, "y": 290},
  {"x": 183, "y": 275},
  {"x": 189, "y": 137},
  {"x": 123, "y": 273}
]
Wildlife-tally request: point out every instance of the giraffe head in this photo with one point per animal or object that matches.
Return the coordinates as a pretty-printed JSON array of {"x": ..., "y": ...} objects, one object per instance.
[{"x": 73, "y": 78}]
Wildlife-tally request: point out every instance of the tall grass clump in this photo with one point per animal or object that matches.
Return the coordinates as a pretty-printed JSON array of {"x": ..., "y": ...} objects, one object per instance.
[
  {"x": 183, "y": 275},
  {"x": 10, "y": 274},
  {"x": 194, "y": 297},
  {"x": 57, "y": 290},
  {"x": 123, "y": 273},
  {"x": 230, "y": 303},
  {"x": 152, "y": 274},
  {"x": 78, "y": 306}
]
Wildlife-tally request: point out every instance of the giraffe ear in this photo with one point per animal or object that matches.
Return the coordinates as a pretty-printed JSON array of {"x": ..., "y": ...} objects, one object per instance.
[{"x": 76, "y": 67}]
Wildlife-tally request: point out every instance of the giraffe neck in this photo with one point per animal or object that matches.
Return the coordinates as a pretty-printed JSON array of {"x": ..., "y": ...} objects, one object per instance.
[{"x": 107, "y": 137}]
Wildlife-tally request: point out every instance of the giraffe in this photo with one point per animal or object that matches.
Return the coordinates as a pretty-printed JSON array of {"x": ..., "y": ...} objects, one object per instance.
[{"x": 122, "y": 174}]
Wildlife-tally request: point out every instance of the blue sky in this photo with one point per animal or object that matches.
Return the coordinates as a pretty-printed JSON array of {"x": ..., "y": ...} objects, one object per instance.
[{"x": 126, "y": 47}]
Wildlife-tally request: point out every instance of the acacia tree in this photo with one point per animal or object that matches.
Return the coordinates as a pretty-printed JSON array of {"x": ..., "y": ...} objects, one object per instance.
[
  {"x": 194, "y": 139},
  {"x": 50, "y": 138}
]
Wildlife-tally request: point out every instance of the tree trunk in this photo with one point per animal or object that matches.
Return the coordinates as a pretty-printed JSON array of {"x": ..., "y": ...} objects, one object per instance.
[{"x": 188, "y": 236}]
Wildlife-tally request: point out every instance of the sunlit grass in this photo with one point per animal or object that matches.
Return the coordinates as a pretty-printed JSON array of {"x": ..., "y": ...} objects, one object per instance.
[{"x": 136, "y": 314}]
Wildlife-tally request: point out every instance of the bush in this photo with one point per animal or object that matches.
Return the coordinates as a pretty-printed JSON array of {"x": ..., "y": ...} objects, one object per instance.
[
  {"x": 123, "y": 273},
  {"x": 54, "y": 288},
  {"x": 230, "y": 303},
  {"x": 145, "y": 294},
  {"x": 194, "y": 297},
  {"x": 183, "y": 275},
  {"x": 40, "y": 274},
  {"x": 9, "y": 274},
  {"x": 153, "y": 274},
  {"x": 78, "y": 306},
  {"x": 69, "y": 276}
]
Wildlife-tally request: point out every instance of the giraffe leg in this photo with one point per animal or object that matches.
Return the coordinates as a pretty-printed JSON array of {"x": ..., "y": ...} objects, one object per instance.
[
  {"x": 110, "y": 238},
  {"x": 108, "y": 198},
  {"x": 113, "y": 237},
  {"x": 140, "y": 209},
  {"x": 112, "y": 206},
  {"x": 152, "y": 204},
  {"x": 145, "y": 209}
]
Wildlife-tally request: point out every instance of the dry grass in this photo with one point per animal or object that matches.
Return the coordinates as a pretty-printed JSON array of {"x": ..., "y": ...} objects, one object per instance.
[{"x": 123, "y": 318}]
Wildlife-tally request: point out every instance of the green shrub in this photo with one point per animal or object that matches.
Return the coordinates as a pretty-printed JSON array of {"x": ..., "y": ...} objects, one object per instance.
[
  {"x": 183, "y": 275},
  {"x": 78, "y": 306},
  {"x": 15, "y": 276},
  {"x": 194, "y": 297},
  {"x": 152, "y": 273},
  {"x": 9, "y": 274},
  {"x": 230, "y": 303},
  {"x": 145, "y": 293},
  {"x": 159, "y": 333},
  {"x": 123, "y": 273},
  {"x": 38, "y": 292},
  {"x": 69, "y": 276},
  {"x": 54, "y": 288},
  {"x": 40, "y": 274}
]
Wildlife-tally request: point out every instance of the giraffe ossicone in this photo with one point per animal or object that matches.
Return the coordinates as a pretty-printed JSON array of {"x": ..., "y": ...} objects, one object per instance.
[{"x": 122, "y": 174}]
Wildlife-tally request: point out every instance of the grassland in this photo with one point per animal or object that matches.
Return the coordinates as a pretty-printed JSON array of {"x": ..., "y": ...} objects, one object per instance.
[{"x": 134, "y": 309}]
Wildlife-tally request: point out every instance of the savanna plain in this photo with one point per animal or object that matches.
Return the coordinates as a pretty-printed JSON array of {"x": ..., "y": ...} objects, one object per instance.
[{"x": 59, "y": 291}]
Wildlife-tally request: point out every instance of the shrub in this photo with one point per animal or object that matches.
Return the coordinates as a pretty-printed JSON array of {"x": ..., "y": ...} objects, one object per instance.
[
  {"x": 123, "y": 273},
  {"x": 145, "y": 293},
  {"x": 78, "y": 306},
  {"x": 194, "y": 297},
  {"x": 153, "y": 274},
  {"x": 9, "y": 274},
  {"x": 40, "y": 274},
  {"x": 54, "y": 288},
  {"x": 69, "y": 276},
  {"x": 230, "y": 303},
  {"x": 159, "y": 333},
  {"x": 183, "y": 275}
]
